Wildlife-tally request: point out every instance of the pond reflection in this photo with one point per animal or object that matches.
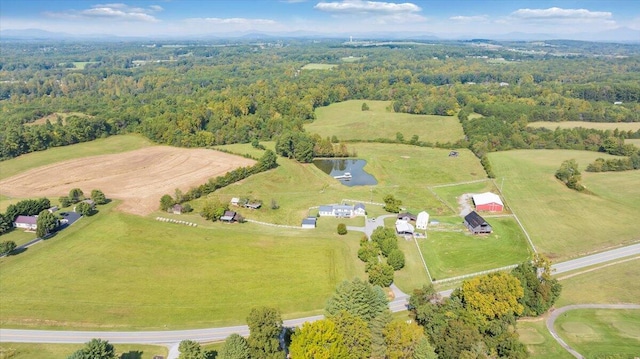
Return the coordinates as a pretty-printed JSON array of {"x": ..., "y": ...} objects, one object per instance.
[{"x": 350, "y": 172}]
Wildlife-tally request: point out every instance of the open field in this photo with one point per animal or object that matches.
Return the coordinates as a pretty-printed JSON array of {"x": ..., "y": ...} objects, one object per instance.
[
  {"x": 401, "y": 170},
  {"x": 618, "y": 283},
  {"x": 54, "y": 351},
  {"x": 413, "y": 275},
  {"x": 450, "y": 250},
  {"x": 633, "y": 141},
  {"x": 626, "y": 126},
  {"x": 109, "y": 145},
  {"x": 138, "y": 177},
  {"x": 347, "y": 121},
  {"x": 595, "y": 333},
  {"x": 118, "y": 271},
  {"x": 564, "y": 223},
  {"x": 314, "y": 66},
  {"x": 540, "y": 344},
  {"x": 54, "y": 117}
]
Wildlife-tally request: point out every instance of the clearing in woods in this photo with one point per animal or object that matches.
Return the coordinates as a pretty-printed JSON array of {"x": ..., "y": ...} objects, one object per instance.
[{"x": 139, "y": 178}]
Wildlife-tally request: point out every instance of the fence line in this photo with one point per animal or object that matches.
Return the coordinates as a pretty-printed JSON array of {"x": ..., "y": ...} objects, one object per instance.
[
  {"x": 358, "y": 201},
  {"x": 441, "y": 200},
  {"x": 460, "y": 277},
  {"x": 517, "y": 219},
  {"x": 423, "y": 261},
  {"x": 273, "y": 224},
  {"x": 460, "y": 183}
]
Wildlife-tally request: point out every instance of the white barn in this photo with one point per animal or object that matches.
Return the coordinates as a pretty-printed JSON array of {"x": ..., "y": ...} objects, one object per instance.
[{"x": 423, "y": 220}]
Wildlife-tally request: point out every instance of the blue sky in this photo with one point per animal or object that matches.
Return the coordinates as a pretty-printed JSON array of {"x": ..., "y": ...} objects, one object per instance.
[{"x": 189, "y": 17}]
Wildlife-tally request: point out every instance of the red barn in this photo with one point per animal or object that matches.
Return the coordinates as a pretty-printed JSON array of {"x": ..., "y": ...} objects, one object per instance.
[{"x": 488, "y": 201}]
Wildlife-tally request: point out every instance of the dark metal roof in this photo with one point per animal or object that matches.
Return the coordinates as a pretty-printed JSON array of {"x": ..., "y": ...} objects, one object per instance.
[{"x": 474, "y": 219}]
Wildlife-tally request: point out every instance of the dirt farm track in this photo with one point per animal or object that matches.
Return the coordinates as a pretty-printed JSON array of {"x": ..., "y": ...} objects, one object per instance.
[{"x": 139, "y": 178}]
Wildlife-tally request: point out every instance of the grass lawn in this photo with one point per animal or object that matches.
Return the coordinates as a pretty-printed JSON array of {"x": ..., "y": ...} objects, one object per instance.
[
  {"x": 596, "y": 333},
  {"x": 314, "y": 66},
  {"x": 413, "y": 275},
  {"x": 19, "y": 236},
  {"x": 49, "y": 351},
  {"x": 109, "y": 145},
  {"x": 450, "y": 250},
  {"x": 625, "y": 126},
  {"x": 539, "y": 342},
  {"x": 617, "y": 283},
  {"x": 119, "y": 271},
  {"x": 347, "y": 121},
  {"x": 563, "y": 223}
]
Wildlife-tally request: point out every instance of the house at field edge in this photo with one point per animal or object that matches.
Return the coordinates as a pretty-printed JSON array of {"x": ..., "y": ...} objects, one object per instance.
[
  {"x": 342, "y": 210},
  {"x": 476, "y": 224},
  {"x": 404, "y": 227},
  {"x": 309, "y": 222},
  {"x": 176, "y": 209},
  {"x": 423, "y": 220},
  {"x": 235, "y": 201},
  {"x": 28, "y": 223},
  {"x": 230, "y": 217},
  {"x": 407, "y": 216},
  {"x": 488, "y": 201}
]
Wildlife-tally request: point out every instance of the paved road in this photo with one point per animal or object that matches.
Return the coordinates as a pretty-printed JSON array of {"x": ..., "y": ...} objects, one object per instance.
[
  {"x": 596, "y": 258},
  {"x": 169, "y": 338},
  {"x": 556, "y": 313}
]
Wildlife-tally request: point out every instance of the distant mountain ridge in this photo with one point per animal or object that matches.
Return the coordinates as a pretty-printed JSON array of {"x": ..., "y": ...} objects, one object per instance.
[{"x": 621, "y": 35}]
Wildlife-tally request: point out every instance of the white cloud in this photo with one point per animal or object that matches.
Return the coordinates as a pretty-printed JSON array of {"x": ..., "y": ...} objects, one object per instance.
[
  {"x": 474, "y": 18},
  {"x": 367, "y": 7},
  {"x": 113, "y": 11},
  {"x": 555, "y": 13}
]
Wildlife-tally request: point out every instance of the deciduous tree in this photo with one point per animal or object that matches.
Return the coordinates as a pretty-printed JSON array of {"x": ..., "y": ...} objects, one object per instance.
[
  {"x": 318, "y": 340},
  {"x": 493, "y": 296},
  {"x": 401, "y": 339},
  {"x": 98, "y": 196},
  {"x": 356, "y": 334},
  {"x": 190, "y": 349},
  {"x": 265, "y": 326},
  {"x": 76, "y": 195},
  {"x": 46, "y": 223}
]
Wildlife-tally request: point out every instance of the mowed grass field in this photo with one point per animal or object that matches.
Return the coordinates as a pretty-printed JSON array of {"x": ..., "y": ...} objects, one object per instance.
[
  {"x": 633, "y": 141},
  {"x": 109, "y": 145},
  {"x": 118, "y": 271},
  {"x": 625, "y": 126},
  {"x": 564, "y": 223},
  {"x": 597, "y": 333},
  {"x": 316, "y": 66},
  {"x": 540, "y": 344},
  {"x": 54, "y": 351},
  {"x": 347, "y": 121},
  {"x": 450, "y": 250}
]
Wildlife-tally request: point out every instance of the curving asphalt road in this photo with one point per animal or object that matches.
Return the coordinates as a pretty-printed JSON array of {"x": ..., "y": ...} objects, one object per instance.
[
  {"x": 170, "y": 338},
  {"x": 557, "y": 312}
]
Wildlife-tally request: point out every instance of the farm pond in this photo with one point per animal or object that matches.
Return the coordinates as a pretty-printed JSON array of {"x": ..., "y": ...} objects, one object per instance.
[{"x": 350, "y": 172}]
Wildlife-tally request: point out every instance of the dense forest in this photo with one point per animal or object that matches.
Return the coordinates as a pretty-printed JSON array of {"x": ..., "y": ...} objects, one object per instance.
[{"x": 202, "y": 94}]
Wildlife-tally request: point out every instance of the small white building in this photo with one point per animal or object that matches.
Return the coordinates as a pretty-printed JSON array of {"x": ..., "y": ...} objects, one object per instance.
[
  {"x": 309, "y": 222},
  {"x": 404, "y": 227},
  {"x": 423, "y": 220},
  {"x": 235, "y": 201}
]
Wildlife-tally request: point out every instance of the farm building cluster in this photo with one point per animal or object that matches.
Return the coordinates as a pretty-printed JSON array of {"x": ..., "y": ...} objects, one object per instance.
[{"x": 404, "y": 225}]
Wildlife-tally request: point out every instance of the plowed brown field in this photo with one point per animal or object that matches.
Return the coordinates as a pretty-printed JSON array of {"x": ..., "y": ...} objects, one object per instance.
[{"x": 138, "y": 178}]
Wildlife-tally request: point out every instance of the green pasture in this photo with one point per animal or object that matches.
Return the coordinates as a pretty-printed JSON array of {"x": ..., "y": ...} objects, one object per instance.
[
  {"x": 19, "y": 236},
  {"x": 540, "y": 344},
  {"x": 347, "y": 121},
  {"x": 109, "y": 145},
  {"x": 617, "y": 283},
  {"x": 315, "y": 66},
  {"x": 60, "y": 351},
  {"x": 413, "y": 275},
  {"x": 352, "y": 58},
  {"x": 451, "y": 193},
  {"x": 401, "y": 170},
  {"x": 564, "y": 223},
  {"x": 633, "y": 141},
  {"x": 115, "y": 271},
  {"x": 624, "y": 126},
  {"x": 450, "y": 250},
  {"x": 596, "y": 333}
]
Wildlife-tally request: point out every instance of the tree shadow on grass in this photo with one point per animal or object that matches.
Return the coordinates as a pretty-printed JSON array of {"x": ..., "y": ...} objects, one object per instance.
[{"x": 132, "y": 354}]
